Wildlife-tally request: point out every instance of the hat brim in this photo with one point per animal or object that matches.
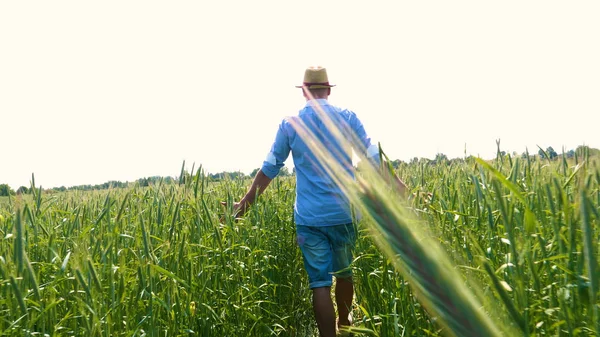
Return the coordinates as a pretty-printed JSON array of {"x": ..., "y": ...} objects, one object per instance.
[{"x": 316, "y": 86}]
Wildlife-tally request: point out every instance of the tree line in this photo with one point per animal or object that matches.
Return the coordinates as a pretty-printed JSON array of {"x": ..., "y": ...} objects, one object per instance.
[
  {"x": 6, "y": 190},
  {"x": 548, "y": 154}
]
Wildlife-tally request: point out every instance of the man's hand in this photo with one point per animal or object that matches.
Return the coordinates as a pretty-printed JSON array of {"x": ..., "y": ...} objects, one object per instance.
[
  {"x": 259, "y": 184},
  {"x": 235, "y": 208},
  {"x": 238, "y": 211},
  {"x": 422, "y": 197}
]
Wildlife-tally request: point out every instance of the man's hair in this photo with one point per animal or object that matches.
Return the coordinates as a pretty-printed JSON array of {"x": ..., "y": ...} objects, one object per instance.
[{"x": 320, "y": 92}]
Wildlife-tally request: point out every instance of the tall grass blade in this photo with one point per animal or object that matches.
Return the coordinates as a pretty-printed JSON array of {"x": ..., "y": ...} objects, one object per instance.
[
  {"x": 169, "y": 274},
  {"x": 147, "y": 250},
  {"x": 413, "y": 251},
  {"x": 199, "y": 178},
  {"x": 32, "y": 278},
  {"x": 63, "y": 266},
  {"x": 18, "y": 295},
  {"x": 425, "y": 266},
  {"x": 82, "y": 282},
  {"x": 182, "y": 174},
  {"x": 122, "y": 208},
  {"x": 512, "y": 309},
  {"x": 577, "y": 168},
  {"x": 590, "y": 257},
  {"x": 95, "y": 278},
  {"x": 19, "y": 247},
  {"x": 509, "y": 184}
]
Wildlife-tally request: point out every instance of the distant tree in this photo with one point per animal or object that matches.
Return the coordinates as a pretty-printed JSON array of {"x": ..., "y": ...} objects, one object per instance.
[
  {"x": 22, "y": 190},
  {"x": 551, "y": 152},
  {"x": 227, "y": 175},
  {"x": 426, "y": 161},
  {"x": 548, "y": 154},
  {"x": 155, "y": 180},
  {"x": 284, "y": 172},
  {"x": 457, "y": 161},
  {"x": 570, "y": 154},
  {"x": 542, "y": 153},
  {"x": 116, "y": 184},
  {"x": 5, "y": 190},
  {"x": 440, "y": 158},
  {"x": 143, "y": 182}
]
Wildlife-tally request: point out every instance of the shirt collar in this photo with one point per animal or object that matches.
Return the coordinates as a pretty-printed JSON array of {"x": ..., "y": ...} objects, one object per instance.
[{"x": 318, "y": 101}]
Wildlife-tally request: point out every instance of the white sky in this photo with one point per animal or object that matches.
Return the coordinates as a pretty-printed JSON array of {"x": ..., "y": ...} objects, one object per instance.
[{"x": 119, "y": 90}]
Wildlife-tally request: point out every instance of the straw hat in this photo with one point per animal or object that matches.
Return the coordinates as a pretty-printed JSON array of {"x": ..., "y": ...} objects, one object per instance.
[{"x": 315, "y": 78}]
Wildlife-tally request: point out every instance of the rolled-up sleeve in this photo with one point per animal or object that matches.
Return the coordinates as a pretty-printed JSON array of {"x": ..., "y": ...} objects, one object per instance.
[{"x": 280, "y": 150}]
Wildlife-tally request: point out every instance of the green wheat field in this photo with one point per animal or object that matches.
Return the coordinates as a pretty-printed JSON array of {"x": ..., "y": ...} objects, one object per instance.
[{"x": 505, "y": 247}]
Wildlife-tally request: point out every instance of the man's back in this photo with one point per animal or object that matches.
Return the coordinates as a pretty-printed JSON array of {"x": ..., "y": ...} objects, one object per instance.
[{"x": 319, "y": 199}]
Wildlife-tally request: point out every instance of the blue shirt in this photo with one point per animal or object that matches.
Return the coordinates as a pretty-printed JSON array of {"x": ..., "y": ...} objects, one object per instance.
[{"x": 319, "y": 200}]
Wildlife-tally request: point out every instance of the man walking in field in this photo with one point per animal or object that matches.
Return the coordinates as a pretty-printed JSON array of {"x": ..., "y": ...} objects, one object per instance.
[{"x": 324, "y": 228}]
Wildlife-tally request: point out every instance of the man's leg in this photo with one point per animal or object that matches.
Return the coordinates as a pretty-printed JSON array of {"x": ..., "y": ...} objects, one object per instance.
[
  {"x": 344, "y": 240},
  {"x": 324, "y": 312},
  {"x": 344, "y": 292},
  {"x": 317, "y": 256}
]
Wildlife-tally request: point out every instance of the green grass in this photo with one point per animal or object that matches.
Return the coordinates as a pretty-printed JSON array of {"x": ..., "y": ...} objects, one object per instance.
[{"x": 520, "y": 237}]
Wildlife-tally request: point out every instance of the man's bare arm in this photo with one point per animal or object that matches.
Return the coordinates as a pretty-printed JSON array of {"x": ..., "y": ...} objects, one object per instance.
[{"x": 259, "y": 184}]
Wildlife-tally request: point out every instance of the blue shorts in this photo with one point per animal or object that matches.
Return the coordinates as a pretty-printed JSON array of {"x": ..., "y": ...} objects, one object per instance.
[{"x": 326, "y": 251}]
